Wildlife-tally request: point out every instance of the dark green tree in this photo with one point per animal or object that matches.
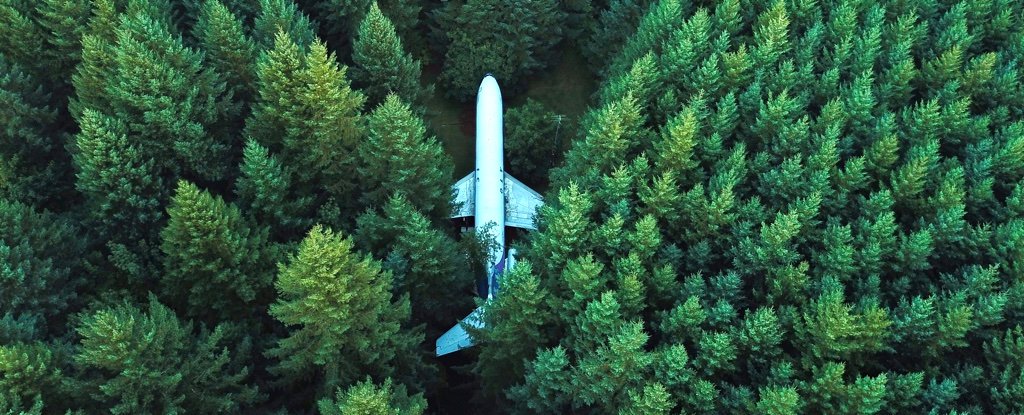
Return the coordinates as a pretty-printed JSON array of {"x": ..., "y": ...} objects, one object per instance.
[
  {"x": 35, "y": 168},
  {"x": 143, "y": 362},
  {"x": 509, "y": 40},
  {"x": 381, "y": 64},
  {"x": 228, "y": 50},
  {"x": 217, "y": 266},
  {"x": 124, "y": 192},
  {"x": 533, "y": 140},
  {"x": 265, "y": 192},
  {"x": 399, "y": 157},
  {"x": 42, "y": 255},
  {"x": 426, "y": 263}
]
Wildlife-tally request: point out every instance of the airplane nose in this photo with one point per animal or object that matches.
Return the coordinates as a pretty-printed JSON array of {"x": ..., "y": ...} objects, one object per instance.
[{"x": 488, "y": 74}]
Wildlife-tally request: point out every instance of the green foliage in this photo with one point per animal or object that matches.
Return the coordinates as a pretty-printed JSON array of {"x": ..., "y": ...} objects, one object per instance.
[
  {"x": 229, "y": 50},
  {"x": 216, "y": 265},
  {"x": 282, "y": 16},
  {"x": 426, "y": 263},
  {"x": 366, "y": 398},
  {"x": 141, "y": 362},
  {"x": 508, "y": 40},
  {"x": 382, "y": 66},
  {"x": 177, "y": 115},
  {"x": 398, "y": 157},
  {"x": 308, "y": 116},
  {"x": 29, "y": 371},
  {"x": 505, "y": 348},
  {"x": 124, "y": 191},
  {"x": 35, "y": 169},
  {"x": 40, "y": 252},
  {"x": 533, "y": 145},
  {"x": 343, "y": 322},
  {"x": 265, "y": 191},
  {"x": 778, "y": 207}
]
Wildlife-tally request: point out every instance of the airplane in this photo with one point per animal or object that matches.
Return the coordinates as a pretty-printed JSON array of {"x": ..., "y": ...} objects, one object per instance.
[{"x": 490, "y": 196}]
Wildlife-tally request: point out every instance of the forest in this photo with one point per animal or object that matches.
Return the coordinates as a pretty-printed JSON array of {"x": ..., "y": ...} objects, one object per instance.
[{"x": 760, "y": 207}]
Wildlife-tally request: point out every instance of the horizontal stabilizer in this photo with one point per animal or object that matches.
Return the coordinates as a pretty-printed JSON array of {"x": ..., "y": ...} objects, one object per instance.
[
  {"x": 521, "y": 203},
  {"x": 464, "y": 197},
  {"x": 456, "y": 338}
]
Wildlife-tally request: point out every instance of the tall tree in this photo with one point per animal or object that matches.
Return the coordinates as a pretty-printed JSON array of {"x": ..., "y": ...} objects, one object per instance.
[
  {"x": 265, "y": 192},
  {"x": 177, "y": 114},
  {"x": 35, "y": 168},
  {"x": 143, "y": 362},
  {"x": 533, "y": 140},
  {"x": 343, "y": 321},
  {"x": 398, "y": 157},
  {"x": 124, "y": 191},
  {"x": 427, "y": 264},
  {"x": 367, "y": 398},
  {"x": 509, "y": 40},
  {"x": 217, "y": 266},
  {"x": 382, "y": 66},
  {"x": 307, "y": 114},
  {"x": 229, "y": 51},
  {"x": 42, "y": 263}
]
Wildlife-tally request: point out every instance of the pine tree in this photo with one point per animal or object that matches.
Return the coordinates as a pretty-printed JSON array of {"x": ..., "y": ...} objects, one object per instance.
[
  {"x": 382, "y": 66},
  {"x": 30, "y": 372},
  {"x": 175, "y": 115},
  {"x": 229, "y": 51},
  {"x": 216, "y": 265},
  {"x": 35, "y": 168},
  {"x": 123, "y": 190},
  {"x": 366, "y": 398},
  {"x": 143, "y": 362},
  {"x": 612, "y": 29},
  {"x": 532, "y": 142},
  {"x": 509, "y": 40},
  {"x": 398, "y": 157},
  {"x": 307, "y": 114},
  {"x": 426, "y": 263},
  {"x": 282, "y": 16},
  {"x": 514, "y": 327},
  {"x": 343, "y": 322},
  {"x": 41, "y": 254},
  {"x": 265, "y": 192}
]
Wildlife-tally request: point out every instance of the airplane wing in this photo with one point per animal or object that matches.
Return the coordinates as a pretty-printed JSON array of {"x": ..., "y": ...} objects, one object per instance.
[
  {"x": 456, "y": 338},
  {"x": 464, "y": 195},
  {"x": 521, "y": 203}
]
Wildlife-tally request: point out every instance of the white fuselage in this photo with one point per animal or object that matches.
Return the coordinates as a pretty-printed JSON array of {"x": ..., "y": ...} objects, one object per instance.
[{"x": 490, "y": 170}]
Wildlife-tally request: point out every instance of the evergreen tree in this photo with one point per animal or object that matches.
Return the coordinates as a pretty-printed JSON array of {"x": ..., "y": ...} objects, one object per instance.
[
  {"x": 343, "y": 321},
  {"x": 177, "y": 114},
  {"x": 41, "y": 255},
  {"x": 426, "y": 263},
  {"x": 282, "y": 16},
  {"x": 307, "y": 114},
  {"x": 382, "y": 65},
  {"x": 399, "y": 158},
  {"x": 143, "y": 362},
  {"x": 509, "y": 40},
  {"x": 35, "y": 168},
  {"x": 216, "y": 266},
  {"x": 532, "y": 141},
  {"x": 264, "y": 190},
  {"x": 124, "y": 192},
  {"x": 506, "y": 347},
  {"x": 365, "y": 398},
  {"x": 229, "y": 51}
]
